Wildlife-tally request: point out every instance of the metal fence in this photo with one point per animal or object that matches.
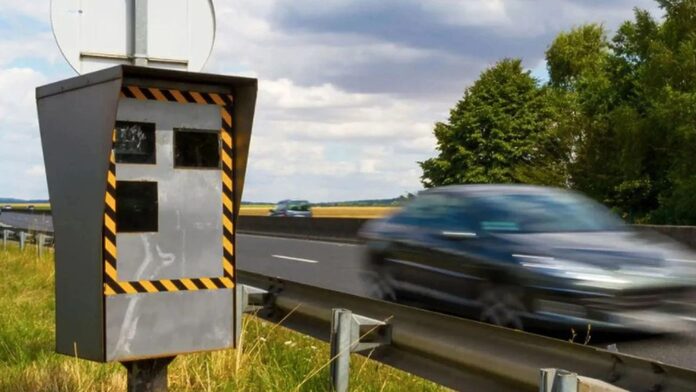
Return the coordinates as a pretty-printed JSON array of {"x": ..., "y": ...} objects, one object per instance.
[{"x": 41, "y": 240}]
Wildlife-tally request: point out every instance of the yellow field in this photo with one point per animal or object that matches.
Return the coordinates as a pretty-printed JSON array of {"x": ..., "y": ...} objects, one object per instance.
[
  {"x": 329, "y": 212},
  {"x": 37, "y": 206},
  {"x": 352, "y": 212},
  {"x": 262, "y": 210}
]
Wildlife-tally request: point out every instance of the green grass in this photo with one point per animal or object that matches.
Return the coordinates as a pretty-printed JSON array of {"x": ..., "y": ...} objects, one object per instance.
[{"x": 271, "y": 358}]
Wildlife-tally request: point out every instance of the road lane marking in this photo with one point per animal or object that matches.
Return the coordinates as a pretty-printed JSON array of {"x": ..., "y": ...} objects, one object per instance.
[
  {"x": 341, "y": 244},
  {"x": 295, "y": 259}
]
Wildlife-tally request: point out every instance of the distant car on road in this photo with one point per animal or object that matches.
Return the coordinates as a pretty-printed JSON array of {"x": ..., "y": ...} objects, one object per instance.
[
  {"x": 292, "y": 208},
  {"x": 527, "y": 257}
]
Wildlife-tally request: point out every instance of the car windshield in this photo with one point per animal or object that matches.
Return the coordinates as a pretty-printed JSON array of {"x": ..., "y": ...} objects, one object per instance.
[{"x": 553, "y": 211}]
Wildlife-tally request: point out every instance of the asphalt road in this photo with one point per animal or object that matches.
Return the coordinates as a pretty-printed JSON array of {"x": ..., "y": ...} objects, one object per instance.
[
  {"x": 37, "y": 221},
  {"x": 341, "y": 267}
]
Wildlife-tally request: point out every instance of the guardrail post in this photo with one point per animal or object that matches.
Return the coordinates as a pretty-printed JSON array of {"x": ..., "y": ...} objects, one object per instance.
[
  {"x": 40, "y": 238},
  {"x": 340, "y": 348},
  {"x": 5, "y": 235},
  {"x": 249, "y": 299},
  {"x": 352, "y": 333},
  {"x": 22, "y": 240},
  {"x": 558, "y": 380},
  {"x": 148, "y": 375}
]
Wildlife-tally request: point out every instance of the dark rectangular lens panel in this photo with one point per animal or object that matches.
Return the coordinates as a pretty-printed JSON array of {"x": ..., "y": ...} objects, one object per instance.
[
  {"x": 196, "y": 149},
  {"x": 135, "y": 142},
  {"x": 136, "y": 206}
]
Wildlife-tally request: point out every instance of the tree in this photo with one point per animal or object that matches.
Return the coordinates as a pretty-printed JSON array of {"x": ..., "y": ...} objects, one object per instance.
[
  {"x": 497, "y": 133},
  {"x": 632, "y": 113},
  {"x": 578, "y": 64},
  {"x": 576, "y": 54},
  {"x": 617, "y": 119}
]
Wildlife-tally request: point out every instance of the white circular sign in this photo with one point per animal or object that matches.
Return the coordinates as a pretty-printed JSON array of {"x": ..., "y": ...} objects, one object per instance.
[{"x": 96, "y": 34}]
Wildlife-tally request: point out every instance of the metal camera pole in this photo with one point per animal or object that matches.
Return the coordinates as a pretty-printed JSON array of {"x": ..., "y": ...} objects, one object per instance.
[
  {"x": 140, "y": 33},
  {"x": 148, "y": 375}
]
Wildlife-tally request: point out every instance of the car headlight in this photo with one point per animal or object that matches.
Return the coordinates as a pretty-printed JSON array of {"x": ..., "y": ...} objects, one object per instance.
[{"x": 567, "y": 269}]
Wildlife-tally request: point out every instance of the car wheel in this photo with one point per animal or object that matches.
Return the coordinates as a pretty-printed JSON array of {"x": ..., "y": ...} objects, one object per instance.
[
  {"x": 502, "y": 306},
  {"x": 379, "y": 280},
  {"x": 383, "y": 286}
]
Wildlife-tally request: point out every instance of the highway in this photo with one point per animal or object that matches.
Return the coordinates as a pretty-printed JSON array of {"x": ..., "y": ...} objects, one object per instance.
[
  {"x": 341, "y": 267},
  {"x": 35, "y": 221}
]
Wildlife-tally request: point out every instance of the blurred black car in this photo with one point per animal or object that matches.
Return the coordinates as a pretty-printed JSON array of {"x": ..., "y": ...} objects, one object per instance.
[
  {"x": 527, "y": 257},
  {"x": 292, "y": 208}
]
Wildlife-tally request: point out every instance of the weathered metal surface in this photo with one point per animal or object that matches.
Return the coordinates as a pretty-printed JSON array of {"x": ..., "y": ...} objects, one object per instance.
[
  {"x": 76, "y": 137},
  {"x": 77, "y": 118},
  {"x": 187, "y": 243},
  {"x": 149, "y": 325}
]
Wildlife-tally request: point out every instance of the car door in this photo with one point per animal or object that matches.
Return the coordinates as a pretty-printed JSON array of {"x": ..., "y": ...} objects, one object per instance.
[
  {"x": 405, "y": 234},
  {"x": 446, "y": 256},
  {"x": 448, "y": 253},
  {"x": 418, "y": 274}
]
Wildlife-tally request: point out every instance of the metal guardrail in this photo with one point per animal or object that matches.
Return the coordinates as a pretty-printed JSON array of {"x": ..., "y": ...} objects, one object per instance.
[
  {"x": 460, "y": 353},
  {"x": 41, "y": 239}
]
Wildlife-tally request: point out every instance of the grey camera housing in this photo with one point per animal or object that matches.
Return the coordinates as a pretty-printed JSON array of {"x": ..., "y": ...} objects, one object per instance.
[{"x": 163, "y": 284}]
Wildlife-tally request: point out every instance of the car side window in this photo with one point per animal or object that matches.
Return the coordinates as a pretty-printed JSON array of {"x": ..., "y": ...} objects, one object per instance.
[
  {"x": 424, "y": 211},
  {"x": 458, "y": 215},
  {"x": 438, "y": 212},
  {"x": 298, "y": 206}
]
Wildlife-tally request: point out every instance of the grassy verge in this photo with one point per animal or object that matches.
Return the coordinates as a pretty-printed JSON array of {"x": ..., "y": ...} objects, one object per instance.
[{"x": 271, "y": 358}]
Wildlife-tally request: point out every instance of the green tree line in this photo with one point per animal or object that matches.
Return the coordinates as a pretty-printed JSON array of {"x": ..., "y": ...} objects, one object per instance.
[{"x": 616, "y": 119}]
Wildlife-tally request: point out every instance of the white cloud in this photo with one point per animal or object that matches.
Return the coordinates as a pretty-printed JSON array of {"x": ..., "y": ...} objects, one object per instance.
[
  {"x": 17, "y": 102},
  {"x": 556, "y": 15},
  {"x": 284, "y": 94},
  {"x": 36, "y": 171},
  {"x": 39, "y": 46},
  {"x": 471, "y": 12},
  {"x": 324, "y": 143},
  {"x": 21, "y": 162},
  {"x": 38, "y": 9}
]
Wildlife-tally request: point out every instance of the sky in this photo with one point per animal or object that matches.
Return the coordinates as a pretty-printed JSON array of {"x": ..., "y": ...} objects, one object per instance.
[{"x": 349, "y": 90}]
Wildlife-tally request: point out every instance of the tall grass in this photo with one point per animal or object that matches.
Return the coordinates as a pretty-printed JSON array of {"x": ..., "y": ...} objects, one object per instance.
[{"x": 270, "y": 357}]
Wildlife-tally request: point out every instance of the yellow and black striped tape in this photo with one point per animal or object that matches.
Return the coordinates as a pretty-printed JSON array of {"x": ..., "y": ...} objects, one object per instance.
[{"x": 112, "y": 285}]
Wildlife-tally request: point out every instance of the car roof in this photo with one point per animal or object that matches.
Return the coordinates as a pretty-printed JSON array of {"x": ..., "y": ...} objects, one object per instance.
[{"x": 487, "y": 189}]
